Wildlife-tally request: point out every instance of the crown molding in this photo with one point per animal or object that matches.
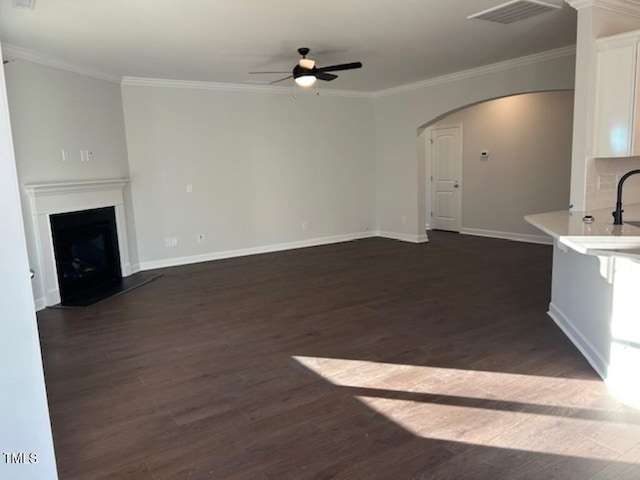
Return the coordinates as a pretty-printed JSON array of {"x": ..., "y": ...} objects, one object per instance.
[
  {"x": 626, "y": 7},
  {"x": 484, "y": 70},
  {"x": 12, "y": 51},
  {"x": 236, "y": 87}
]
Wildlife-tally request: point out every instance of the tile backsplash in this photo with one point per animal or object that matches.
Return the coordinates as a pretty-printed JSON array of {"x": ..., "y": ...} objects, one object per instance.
[{"x": 602, "y": 182}]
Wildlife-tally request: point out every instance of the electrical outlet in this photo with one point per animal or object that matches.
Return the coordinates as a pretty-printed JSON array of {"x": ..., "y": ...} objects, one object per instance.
[
  {"x": 89, "y": 155},
  {"x": 171, "y": 242},
  {"x": 201, "y": 238},
  {"x": 304, "y": 226},
  {"x": 189, "y": 188},
  {"x": 65, "y": 155}
]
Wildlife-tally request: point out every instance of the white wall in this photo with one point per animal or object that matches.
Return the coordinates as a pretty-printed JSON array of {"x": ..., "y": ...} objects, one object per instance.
[
  {"x": 398, "y": 116},
  {"x": 24, "y": 415},
  {"x": 261, "y": 164},
  {"x": 528, "y": 170},
  {"x": 54, "y": 109}
]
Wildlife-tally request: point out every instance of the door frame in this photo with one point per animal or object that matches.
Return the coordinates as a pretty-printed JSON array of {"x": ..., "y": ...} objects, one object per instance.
[{"x": 430, "y": 160}]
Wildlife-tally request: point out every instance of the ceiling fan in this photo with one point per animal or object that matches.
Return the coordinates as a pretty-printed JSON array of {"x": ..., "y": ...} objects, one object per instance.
[{"x": 305, "y": 73}]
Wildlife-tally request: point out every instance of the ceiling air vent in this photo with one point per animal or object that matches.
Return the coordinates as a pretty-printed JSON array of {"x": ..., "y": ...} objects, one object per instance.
[
  {"x": 30, "y": 4},
  {"x": 514, "y": 11}
]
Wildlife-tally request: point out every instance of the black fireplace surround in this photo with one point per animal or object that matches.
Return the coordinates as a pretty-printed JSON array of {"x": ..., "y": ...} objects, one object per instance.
[{"x": 85, "y": 244}]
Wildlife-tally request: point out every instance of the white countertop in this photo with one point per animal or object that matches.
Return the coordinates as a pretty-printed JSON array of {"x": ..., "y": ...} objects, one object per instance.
[{"x": 601, "y": 237}]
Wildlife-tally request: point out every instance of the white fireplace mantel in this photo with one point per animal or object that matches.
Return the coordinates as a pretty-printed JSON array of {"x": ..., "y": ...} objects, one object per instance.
[{"x": 47, "y": 199}]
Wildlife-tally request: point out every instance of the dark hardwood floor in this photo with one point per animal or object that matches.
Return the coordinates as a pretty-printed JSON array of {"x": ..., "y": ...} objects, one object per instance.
[{"x": 373, "y": 359}]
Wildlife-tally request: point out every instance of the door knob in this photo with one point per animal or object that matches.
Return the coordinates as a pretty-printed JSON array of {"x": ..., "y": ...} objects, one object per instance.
[{"x": 455, "y": 185}]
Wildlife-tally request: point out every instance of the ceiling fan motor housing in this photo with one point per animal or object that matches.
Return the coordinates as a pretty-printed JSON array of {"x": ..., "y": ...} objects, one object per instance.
[{"x": 299, "y": 71}]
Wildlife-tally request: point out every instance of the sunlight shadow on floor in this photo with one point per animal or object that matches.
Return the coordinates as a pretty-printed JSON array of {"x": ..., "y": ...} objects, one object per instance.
[{"x": 501, "y": 410}]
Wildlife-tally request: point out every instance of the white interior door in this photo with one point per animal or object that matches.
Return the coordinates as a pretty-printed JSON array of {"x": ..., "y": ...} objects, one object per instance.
[{"x": 446, "y": 177}]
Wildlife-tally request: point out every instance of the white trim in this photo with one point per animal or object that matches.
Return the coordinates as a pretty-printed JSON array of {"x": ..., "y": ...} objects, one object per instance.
[
  {"x": 13, "y": 51},
  {"x": 484, "y": 70},
  {"x": 237, "y": 87},
  {"x": 616, "y": 41},
  {"x": 404, "y": 237},
  {"x": 516, "y": 237},
  {"x": 40, "y": 304},
  {"x": 61, "y": 188},
  {"x": 46, "y": 199},
  {"x": 599, "y": 364},
  {"x": 135, "y": 268},
  {"x": 626, "y": 7},
  {"x": 242, "y": 252}
]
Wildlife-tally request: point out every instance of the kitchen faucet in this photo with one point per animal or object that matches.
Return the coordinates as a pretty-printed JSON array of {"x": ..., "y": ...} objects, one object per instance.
[{"x": 617, "y": 215}]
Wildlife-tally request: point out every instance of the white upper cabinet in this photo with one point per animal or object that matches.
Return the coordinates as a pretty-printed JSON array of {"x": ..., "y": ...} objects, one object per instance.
[{"x": 617, "y": 121}]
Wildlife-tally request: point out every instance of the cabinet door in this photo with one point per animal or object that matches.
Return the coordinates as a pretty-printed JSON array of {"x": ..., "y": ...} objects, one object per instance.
[
  {"x": 615, "y": 101},
  {"x": 635, "y": 115}
]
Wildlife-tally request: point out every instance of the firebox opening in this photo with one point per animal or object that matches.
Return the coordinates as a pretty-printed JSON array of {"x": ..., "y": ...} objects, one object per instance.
[{"x": 85, "y": 245}]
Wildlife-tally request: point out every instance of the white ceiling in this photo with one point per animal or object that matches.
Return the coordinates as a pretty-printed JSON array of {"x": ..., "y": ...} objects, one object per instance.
[{"x": 398, "y": 41}]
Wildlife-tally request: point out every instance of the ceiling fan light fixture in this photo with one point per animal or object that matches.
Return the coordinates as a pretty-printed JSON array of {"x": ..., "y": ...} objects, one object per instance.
[
  {"x": 305, "y": 80},
  {"x": 305, "y": 73},
  {"x": 307, "y": 63}
]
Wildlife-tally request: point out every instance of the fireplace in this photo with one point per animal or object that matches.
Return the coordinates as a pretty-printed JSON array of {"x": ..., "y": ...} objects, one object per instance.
[
  {"x": 50, "y": 202},
  {"x": 85, "y": 246}
]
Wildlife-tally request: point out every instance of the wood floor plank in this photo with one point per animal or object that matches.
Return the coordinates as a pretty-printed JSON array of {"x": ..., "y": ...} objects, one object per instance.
[{"x": 361, "y": 360}]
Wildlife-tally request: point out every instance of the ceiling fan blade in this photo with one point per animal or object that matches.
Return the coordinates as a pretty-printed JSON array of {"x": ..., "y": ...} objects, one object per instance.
[
  {"x": 281, "y": 80},
  {"x": 342, "y": 66},
  {"x": 260, "y": 73},
  {"x": 326, "y": 76}
]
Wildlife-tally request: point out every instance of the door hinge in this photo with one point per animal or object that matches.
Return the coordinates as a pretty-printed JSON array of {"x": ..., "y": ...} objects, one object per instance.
[
  {"x": 432, "y": 178},
  {"x": 431, "y": 140},
  {"x": 431, "y": 214}
]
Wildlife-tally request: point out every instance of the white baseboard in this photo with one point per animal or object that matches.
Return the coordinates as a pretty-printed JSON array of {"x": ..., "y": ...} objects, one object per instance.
[
  {"x": 516, "y": 237},
  {"x": 599, "y": 364},
  {"x": 242, "y": 252},
  {"x": 40, "y": 303},
  {"x": 404, "y": 237}
]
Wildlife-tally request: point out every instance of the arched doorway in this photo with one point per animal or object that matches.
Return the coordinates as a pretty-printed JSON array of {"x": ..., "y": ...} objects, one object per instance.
[{"x": 515, "y": 160}]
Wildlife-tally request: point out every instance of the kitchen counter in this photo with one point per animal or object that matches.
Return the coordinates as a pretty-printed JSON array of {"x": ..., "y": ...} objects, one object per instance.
[
  {"x": 594, "y": 288},
  {"x": 601, "y": 237}
]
